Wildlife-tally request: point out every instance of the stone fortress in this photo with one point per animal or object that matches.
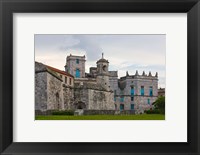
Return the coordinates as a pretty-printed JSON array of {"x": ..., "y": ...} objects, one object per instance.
[{"x": 98, "y": 92}]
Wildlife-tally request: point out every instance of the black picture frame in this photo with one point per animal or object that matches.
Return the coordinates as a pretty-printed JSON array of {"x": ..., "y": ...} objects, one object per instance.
[{"x": 8, "y": 7}]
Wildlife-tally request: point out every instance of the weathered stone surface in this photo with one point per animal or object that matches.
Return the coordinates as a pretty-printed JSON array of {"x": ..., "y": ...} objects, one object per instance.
[
  {"x": 94, "y": 96},
  {"x": 108, "y": 112},
  {"x": 100, "y": 90},
  {"x": 51, "y": 93},
  {"x": 122, "y": 89},
  {"x": 41, "y": 91},
  {"x": 72, "y": 65},
  {"x": 54, "y": 93}
]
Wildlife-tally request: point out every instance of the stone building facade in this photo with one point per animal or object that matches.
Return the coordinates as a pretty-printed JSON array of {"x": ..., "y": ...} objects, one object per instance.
[
  {"x": 131, "y": 92},
  {"x": 98, "y": 90},
  {"x": 53, "y": 88},
  {"x": 75, "y": 65},
  {"x": 135, "y": 92}
]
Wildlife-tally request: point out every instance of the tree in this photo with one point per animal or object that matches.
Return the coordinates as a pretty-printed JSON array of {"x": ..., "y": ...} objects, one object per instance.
[{"x": 160, "y": 104}]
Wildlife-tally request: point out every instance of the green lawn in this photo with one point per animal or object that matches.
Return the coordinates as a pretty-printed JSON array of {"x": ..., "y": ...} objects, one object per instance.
[{"x": 103, "y": 117}]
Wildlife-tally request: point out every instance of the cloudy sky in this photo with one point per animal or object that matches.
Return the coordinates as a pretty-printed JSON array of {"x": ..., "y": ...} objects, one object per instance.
[{"x": 124, "y": 52}]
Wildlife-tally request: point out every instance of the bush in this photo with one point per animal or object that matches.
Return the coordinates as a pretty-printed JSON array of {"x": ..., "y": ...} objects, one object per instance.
[
  {"x": 155, "y": 111},
  {"x": 63, "y": 112},
  {"x": 160, "y": 104}
]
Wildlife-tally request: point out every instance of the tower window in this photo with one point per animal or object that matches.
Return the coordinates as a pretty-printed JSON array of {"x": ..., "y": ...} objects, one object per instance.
[
  {"x": 142, "y": 90},
  {"x": 132, "y": 98},
  {"x": 132, "y": 90},
  {"x": 132, "y": 106},
  {"x": 70, "y": 81},
  {"x": 77, "y": 61},
  {"x": 104, "y": 68},
  {"x": 122, "y": 99},
  {"x": 121, "y": 106},
  {"x": 65, "y": 79},
  {"x": 150, "y": 91},
  {"x": 148, "y": 101},
  {"x": 77, "y": 73}
]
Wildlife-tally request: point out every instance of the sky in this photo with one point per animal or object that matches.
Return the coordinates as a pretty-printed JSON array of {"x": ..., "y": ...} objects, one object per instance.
[{"x": 124, "y": 52}]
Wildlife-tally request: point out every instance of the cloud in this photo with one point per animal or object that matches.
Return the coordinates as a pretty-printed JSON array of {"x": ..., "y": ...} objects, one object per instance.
[{"x": 87, "y": 44}]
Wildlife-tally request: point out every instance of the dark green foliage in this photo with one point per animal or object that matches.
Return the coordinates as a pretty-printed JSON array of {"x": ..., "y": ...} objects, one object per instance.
[
  {"x": 66, "y": 112},
  {"x": 160, "y": 104},
  {"x": 155, "y": 111}
]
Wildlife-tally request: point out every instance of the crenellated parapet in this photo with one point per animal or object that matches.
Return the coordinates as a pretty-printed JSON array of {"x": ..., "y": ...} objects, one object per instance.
[{"x": 140, "y": 76}]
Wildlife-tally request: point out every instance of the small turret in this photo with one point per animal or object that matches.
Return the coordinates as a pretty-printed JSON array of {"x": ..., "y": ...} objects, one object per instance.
[
  {"x": 156, "y": 74},
  {"x": 127, "y": 73},
  {"x": 136, "y": 73},
  {"x": 103, "y": 73},
  {"x": 150, "y": 73}
]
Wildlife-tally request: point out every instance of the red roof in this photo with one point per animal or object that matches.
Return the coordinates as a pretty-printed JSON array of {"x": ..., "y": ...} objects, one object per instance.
[{"x": 59, "y": 71}]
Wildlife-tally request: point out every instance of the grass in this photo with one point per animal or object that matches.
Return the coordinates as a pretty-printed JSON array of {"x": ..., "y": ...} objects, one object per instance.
[{"x": 103, "y": 117}]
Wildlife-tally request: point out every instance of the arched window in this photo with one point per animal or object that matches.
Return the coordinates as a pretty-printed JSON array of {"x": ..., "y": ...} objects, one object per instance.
[{"x": 77, "y": 73}]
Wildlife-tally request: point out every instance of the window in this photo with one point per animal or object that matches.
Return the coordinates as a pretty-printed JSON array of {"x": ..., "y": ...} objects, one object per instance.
[
  {"x": 132, "y": 106},
  {"x": 132, "y": 91},
  {"x": 148, "y": 101},
  {"x": 150, "y": 91},
  {"x": 115, "y": 99},
  {"x": 142, "y": 90},
  {"x": 70, "y": 81},
  {"x": 132, "y": 98},
  {"x": 61, "y": 76},
  {"x": 115, "y": 92},
  {"x": 121, "y": 106},
  {"x": 122, "y": 99},
  {"x": 77, "y": 61},
  {"x": 65, "y": 79},
  {"x": 77, "y": 73}
]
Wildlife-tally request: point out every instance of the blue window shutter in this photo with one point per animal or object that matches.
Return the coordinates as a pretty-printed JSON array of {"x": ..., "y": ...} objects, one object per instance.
[
  {"x": 121, "y": 107},
  {"x": 132, "y": 106},
  {"x": 142, "y": 90},
  {"x": 150, "y": 91},
  {"x": 132, "y": 91},
  {"x": 77, "y": 73},
  {"x": 122, "y": 99}
]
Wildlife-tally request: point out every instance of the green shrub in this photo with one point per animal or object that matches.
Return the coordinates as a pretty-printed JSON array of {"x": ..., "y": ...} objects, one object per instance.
[
  {"x": 63, "y": 112},
  {"x": 160, "y": 104},
  {"x": 155, "y": 111}
]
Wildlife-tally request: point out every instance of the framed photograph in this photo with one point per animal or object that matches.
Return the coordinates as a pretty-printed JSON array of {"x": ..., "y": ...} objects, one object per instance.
[{"x": 99, "y": 77}]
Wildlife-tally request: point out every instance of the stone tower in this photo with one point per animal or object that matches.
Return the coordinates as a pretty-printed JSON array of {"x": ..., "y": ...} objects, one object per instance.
[
  {"x": 75, "y": 65},
  {"x": 103, "y": 73}
]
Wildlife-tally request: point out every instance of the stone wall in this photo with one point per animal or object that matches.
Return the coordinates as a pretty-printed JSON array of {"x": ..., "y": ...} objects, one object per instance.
[
  {"x": 54, "y": 93},
  {"x": 68, "y": 97},
  {"x": 41, "y": 91},
  {"x": 108, "y": 112},
  {"x": 101, "y": 100},
  {"x": 93, "y": 97}
]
